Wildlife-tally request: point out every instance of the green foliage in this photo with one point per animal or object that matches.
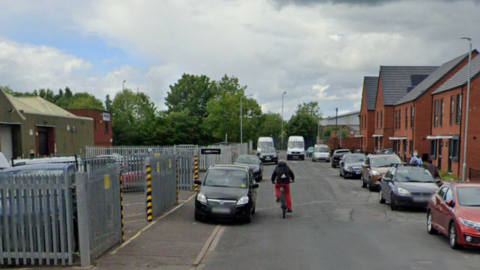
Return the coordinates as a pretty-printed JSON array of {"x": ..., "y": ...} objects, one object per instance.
[
  {"x": 328, "y": 132},
  {"x": 310, "y": 108},
  {"x": 85, "y": 101},
  {"x": 305, "y": 121},
  {"x": 271, "y": 125}
]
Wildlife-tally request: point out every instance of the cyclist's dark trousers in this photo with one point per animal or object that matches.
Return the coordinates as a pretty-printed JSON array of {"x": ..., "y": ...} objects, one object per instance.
[{"x": 287, "y": 194}]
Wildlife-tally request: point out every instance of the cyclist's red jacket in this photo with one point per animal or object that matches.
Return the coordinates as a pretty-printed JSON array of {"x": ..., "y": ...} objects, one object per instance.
[{"x": 282, "y": 174}]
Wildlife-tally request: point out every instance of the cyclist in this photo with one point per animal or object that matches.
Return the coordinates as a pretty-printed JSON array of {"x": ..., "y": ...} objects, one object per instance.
[{"x": 282, "y": 175}]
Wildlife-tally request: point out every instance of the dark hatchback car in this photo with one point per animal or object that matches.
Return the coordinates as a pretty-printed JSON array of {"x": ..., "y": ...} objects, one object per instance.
[
  {"x": 254, "y": 163},
  {"x": 407, "y": 186},
  {"x": 337, "y": 156},
  {"x": 268, "y": 154},
  {"x": 351, "y": 165},
  {"x": 228, "y": 192}
]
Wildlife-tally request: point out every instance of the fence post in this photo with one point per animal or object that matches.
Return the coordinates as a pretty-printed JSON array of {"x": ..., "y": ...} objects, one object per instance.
[
  {"x": 121, "y": 207},
  {"x": 177, "y": 175},
  {"x": 83, "y": 221},
  {"x": 195, "y": 172},
  {"x": 149, "y": 189}
]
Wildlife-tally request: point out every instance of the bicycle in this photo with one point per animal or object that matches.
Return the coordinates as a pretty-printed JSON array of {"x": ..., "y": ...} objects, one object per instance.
[{"x": 283, "y": 200}]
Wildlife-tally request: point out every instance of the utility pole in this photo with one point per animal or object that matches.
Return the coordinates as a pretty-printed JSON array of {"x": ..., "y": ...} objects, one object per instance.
[
  {"x": 466, "y": 111},
  {"x": 282, "y": 118}
]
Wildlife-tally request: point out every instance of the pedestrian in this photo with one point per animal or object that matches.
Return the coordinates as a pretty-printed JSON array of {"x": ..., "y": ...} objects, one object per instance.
[
  {"x": 433, "y": 169},
  {"x": 415, "y": 160}
]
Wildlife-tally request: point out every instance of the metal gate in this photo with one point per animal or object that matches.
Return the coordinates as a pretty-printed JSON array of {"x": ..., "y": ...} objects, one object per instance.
[
  {"x": 36, "y": 219},
  {"x": 99, "y": 208}
]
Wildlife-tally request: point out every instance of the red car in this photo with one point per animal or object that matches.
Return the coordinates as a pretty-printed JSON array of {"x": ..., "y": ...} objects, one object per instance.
[{"x": 454, "y": 210}]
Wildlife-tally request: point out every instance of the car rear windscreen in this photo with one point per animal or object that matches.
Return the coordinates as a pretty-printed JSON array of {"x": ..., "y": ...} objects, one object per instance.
[{"x": 226, "y": 178}]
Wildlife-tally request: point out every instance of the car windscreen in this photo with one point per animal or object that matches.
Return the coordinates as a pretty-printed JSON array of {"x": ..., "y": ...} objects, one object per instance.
[
  {"x": 265, "y": 144},
  {"x": 342, "y": 152},
  {"x": 413, "y": 175},
  {"x": 354, "y": 159},
  {"x": 386, "y": 161},
  {"x": 296, "y": 145},
  {"x": 247, "y": 160},
  {"x": 321, "y": 149},
  {"x": 268, "y": 150},
  {"x": 469, "y": 196},
  {"x": 226, "y": 178}
]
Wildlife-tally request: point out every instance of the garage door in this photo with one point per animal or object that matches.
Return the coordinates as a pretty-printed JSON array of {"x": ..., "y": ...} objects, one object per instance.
[{"x": 6, "y": 141}]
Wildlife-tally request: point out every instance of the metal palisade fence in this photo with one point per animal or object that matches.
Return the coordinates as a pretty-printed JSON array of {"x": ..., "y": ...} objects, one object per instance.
[
  {"x": 161, "y": 185},
  {"x": 99, "y": 208},
  {"x": 36, "y": 219}
]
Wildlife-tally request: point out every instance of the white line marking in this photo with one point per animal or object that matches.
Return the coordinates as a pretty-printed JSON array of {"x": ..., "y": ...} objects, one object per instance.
[
  {"x": 148, "y": 226},
  {"x": 206, "y": 246}
]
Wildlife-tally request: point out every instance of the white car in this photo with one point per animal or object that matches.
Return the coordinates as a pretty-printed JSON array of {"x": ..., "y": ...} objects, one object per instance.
[{"x": 321, "y": 153}]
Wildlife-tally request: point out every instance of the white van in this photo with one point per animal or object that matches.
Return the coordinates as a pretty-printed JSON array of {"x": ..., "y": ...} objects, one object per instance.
[
  {"x": 296, "y": 147},
  {"x": 264, "y": 142}
]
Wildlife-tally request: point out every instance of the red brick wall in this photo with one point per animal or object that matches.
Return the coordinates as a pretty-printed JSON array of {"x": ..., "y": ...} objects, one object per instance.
[
  {"x": 347, "y": 143},
  {"x": 367, "y": 126},
  {"x": 101, "y": 138},
  {"x": 473, "y": 142}
]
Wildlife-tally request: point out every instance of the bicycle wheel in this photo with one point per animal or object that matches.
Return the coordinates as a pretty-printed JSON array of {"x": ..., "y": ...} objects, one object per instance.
[{"x": 284, "y": 201}]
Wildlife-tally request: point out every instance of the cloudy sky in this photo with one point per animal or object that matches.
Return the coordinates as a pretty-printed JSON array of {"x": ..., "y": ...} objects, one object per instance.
[{"x": 315, "y": 50}]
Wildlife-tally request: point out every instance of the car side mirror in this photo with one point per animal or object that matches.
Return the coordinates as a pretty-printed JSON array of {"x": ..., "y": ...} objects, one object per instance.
[
  {"x": 255, "y": 186},
  {"x": 450, "y": 203},
  {"x": 197, "y": 182}
]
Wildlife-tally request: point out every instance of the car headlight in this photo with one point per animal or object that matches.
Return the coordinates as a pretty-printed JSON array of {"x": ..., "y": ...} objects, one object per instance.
[
  {"x": 256, "y": 169},
  {"x": 201, "y": 198},
  {"x": 404, "y": 192},
  {"x": 347, "y": 169},
  {"x": 243, "y": 200},
  {"x": 375, "y": 173},
  {"x": 471, "y": 224}
]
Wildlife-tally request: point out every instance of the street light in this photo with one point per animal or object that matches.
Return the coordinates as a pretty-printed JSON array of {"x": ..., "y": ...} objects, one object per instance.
[
  {"x": 241, "y": 118},
  {"x": 466, "y": 110},
  {"x": 282, "y": 117},
  {"x": 123, "y": 85}
]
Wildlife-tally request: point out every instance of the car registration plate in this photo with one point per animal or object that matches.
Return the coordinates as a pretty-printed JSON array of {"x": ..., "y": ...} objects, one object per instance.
[
  {"x": 421, "y": 199},
  {"x": 267, "y": 158},
  {"x": 220, "y": 210}
]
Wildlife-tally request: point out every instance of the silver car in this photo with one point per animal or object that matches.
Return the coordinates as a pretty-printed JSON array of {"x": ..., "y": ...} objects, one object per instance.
[{"x": 321, "y": 152}]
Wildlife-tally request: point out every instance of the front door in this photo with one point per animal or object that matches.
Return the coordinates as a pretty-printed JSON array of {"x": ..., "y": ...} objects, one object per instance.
[
  {"x": 440, "y": 146},
  {"x": 405, "y": 150}
]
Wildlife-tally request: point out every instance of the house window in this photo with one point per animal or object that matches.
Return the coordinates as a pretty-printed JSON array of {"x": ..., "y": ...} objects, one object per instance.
[
  {"x": 406, "y": 118},
  {"x": 376, "y": 142},
  {"x": 411, "y": 146},
  {"x": 412, "y": 114},
  {"x": 433, "y": 149},
  {"x": 435, "y": 114},
  {"x": 441, "y": 112},
  {"x": 399, "y": 119},
  {"x": 452, "y": 109},
  {"x": 377, "y": 118},
  {"x": 459, "y": 109},
  {"x": 396, "y": 119},
  {"x": 106, "y": 128},
  {"x": 455, "y": 149},
  {"x": 381, "y": 142}
]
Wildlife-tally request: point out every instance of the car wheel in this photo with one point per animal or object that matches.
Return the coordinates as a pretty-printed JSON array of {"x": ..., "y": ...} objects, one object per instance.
[
  {"x": 371, "y": 186},
  {"x": 380, "y": 198},
  {"x": 430, "y": 228},
  {"x": 333, "y": 166},
  {"x": 253, "y": 211},
  {"x": 197, "y": 216},
  {"x": 393, "y": 205},
  {"x": 453, "y": 236},
  {"x": 364, "y": 185},
  {"x": 248, "y": 218}
]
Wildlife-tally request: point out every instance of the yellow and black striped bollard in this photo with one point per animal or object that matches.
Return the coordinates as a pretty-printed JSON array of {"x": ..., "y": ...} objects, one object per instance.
[
  {"x": 149, "y": 194},
  {"x": 195, "y": 172},
  {"x": 121, "y": 208}
]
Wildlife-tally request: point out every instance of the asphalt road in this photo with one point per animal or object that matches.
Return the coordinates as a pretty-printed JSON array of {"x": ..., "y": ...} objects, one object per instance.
[{"x": 335, "y": 225}]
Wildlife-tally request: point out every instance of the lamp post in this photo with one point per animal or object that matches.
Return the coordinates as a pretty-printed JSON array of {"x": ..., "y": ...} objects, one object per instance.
[
  {"x": 123, "y": 85},
  {"x": 241, "y": 118},
  {"x": 466, "y": 110},
  {"x": 282, "y": 117}
]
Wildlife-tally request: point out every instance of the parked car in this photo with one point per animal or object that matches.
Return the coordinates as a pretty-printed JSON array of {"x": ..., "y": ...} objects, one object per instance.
[
  {"x": 4, "y": 164},
  {"x": 407, "y": 186},
  {"x": 227, "y": 192},
  {"x": 351, "y": 165},
  {"x": 454, "y": 211},
  {"x": 375, "y": 167},
  {"x": 254, "y": 163},
  {"x": 337, "y": 155},
  {"x": 310, "y": 151},
  {"x": 385, "y": 151},
  {"x": 268, "y": 154},
  {"x": 321, "y": 152}
]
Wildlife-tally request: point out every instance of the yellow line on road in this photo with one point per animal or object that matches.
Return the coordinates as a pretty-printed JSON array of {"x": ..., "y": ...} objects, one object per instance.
[{"x": 148, "y": 226}]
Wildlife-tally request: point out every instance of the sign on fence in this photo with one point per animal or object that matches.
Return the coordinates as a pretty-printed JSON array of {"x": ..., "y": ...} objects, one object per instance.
[{"x": 211, "y": 151}]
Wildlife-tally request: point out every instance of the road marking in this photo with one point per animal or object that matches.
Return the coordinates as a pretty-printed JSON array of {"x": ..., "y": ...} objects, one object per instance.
[
  {"x": 148, "y": 226},
  {"x": 217, "y": 239},
  {"x": 135, "y": 220},
  {"x": 206, "y": 246}
]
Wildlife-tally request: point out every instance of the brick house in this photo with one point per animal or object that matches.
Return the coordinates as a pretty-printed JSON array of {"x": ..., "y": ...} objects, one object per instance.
[
  {"x": 393, "y": 84},
  {"x": 367, "y": 113},
  {"x": 447, "y": 135},
  {"x": 413, "y": 121},
  {"x": 102, "y": 125}
]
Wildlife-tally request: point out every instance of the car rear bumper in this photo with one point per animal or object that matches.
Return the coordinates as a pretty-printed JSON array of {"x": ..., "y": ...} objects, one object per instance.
[
  {"x": 226, "y": 212},
  {"x": 352, "y": 174},
  {"x": 411, "y": 201},
  {"x": 266, "y": 160}
]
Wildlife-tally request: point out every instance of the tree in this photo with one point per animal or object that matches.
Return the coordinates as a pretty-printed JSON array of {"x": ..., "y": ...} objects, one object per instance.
[
  {"x": 224, "y": 112},
  {"x": 305, "y": 121},
  {"x": 85, "y": 101},
  {"x": 310, "y": 108},
  {"x": 271, "y": 125},
  {"x": 108, "y": 103},
  {"x": 329, "y": 130}
]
